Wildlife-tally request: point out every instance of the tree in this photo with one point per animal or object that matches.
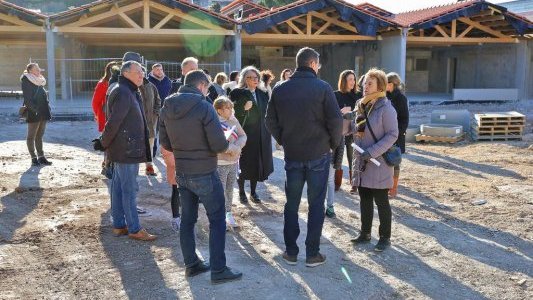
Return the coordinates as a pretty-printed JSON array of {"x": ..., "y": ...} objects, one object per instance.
[
  {"x": 274, "y": 3},
  {"x": 215, "y": 6}
]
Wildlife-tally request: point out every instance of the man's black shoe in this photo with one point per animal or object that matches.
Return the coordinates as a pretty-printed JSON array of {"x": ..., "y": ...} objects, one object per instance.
[
  {"x": 43, "y": 161},
  {"x": 199, "y": 268},
  {"x": 382, "y": 244},
  {"x": 361, "y": 239},
  {"x": 35, "y": 162},
  {"x": 243, "y": 198},
  {"x": 255, "y": 198},
  {"x": 226, "y": 275}
]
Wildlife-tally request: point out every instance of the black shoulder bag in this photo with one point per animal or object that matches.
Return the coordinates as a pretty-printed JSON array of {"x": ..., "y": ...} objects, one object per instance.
[{"x": 393, "y": 156}]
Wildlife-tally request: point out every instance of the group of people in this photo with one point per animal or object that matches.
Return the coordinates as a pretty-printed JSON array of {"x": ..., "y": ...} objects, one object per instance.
[{"x": 213, "y": 132}]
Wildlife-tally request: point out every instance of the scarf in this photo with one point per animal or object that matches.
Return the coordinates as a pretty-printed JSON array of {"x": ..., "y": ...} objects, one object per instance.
[
  {"x": 37, "y": 80},
  {"x": 363, "y": 108}
]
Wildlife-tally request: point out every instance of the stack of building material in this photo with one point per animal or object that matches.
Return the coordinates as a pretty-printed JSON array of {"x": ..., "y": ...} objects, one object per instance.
[
  {"x": 440, "y": 133},
  {"x": 500, "y": 126}
]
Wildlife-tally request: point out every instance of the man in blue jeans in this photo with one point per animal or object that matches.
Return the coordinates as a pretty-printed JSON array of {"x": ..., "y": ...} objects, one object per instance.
[
  {"x": 304, "y": 117},
  {"x": 191, "y": 130}
]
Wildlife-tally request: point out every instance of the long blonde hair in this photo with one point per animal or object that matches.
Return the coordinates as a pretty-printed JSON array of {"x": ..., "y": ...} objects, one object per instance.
[
  {"x": 395, "y": 79},
  {"x": 242, "y": 77}
]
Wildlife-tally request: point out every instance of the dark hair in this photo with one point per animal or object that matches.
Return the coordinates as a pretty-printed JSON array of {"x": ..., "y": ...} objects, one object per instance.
[
  {"x": 266, "y": 75},
  {"x": 107, "y": 70},
  {"x": 194, "y": 78},
  {"x": 343, "y": 80},
  {"x": 282, "y": 75},
  {"x": 233, "y": 75},
  {"x": 305, "y": 56},
  {"x": 126, "y": 66}
]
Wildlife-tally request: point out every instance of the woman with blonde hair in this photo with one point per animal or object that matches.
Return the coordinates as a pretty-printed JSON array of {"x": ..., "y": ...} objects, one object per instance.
[
  {"x": 395, "y": 93},
  {"x": 37, "y": 110},
  {"x": 376, "y": 131},
  {"x": 250, "y": 109}
]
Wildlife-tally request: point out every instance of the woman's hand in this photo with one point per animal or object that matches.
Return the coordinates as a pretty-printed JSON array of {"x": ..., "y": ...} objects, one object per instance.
[
  {"x": 248, "y": 105},
  {"x": 346, "y": 110}
]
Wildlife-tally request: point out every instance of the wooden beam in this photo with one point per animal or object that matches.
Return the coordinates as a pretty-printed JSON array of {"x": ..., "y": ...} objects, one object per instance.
[
  {"x": 482, "y": 27},
  {"x": 489, "y": 18},
  {"x": 441, "y": 31},
  {"x": 334, "y": 21},
  {"x": 454, "y": 29},
  {"x": 128, "y": 20},
  {"x": 109, "y": 14},
  {"x": 322, "y": 28},
  {"x": 421, "y": 32},
  {"x": 449, "y": 40},
  {"x": 9, "y": 28},
  {"x": 275, "y": 29},
  {"x": 466, "y": 31},
  {"x": 164, "y": 21},
  {"x": 146, "y": 14},
  {"x": 294, "y": 27},
  {"x": 185, "y": 16},
  {"x": 497, "y": 24},
  {"x": 309, "y": 24},
  {"x": 302, "y": 37},
  {"x": 14, "y": 20},
  {"x": 151, "y": 31},
  {"x": 22, "y": 43}
]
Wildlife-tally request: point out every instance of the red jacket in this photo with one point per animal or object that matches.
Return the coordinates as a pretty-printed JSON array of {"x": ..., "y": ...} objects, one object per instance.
[{"x": 99, "y": 103}]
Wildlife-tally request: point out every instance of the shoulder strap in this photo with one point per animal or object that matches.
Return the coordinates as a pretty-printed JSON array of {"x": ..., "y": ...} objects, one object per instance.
[{"x": 370, "y": 127}]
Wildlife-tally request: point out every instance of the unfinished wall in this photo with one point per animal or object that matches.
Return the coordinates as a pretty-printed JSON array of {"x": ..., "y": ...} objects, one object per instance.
[{"x": 14, "y": 61}]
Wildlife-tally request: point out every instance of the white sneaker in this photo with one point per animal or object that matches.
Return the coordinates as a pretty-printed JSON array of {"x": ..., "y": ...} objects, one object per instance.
[
  {"x": 176, "y": 224},
  {"x": 230, "y": 220}
]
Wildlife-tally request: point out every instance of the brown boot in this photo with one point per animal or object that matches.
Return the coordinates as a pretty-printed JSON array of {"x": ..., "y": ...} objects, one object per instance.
[
  {"x": 120, "y": 231},
  {"x": 394, "y": 191},
  {"x": 142, "y": 235},
  {"x": 338, "y": 179}
]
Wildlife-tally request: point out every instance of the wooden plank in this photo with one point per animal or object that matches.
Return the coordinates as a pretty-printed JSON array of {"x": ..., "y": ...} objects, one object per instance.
[
  {"x": 449, "y": 40},
  {"x": 309, "y": 26},
  {"x": 164, "y": 21},
  {"x": 146, "y": 14},
  {"x": 322, "y": 28},
  {"x": 483, "y": 28},
  {"x": 438, "y": 139},
  {"x": 294, "y": 27},
  {"x": 106, "y": 15},
  {"x": 128, "y": 20},
  {"x": 14, "y": 20},
  {"x": 466, "y": 31},
  {"x": 454, "y": 29},
  {"x": 187, "y": 17},
  {"x": 109, "y": 30},
  {"x": 281, "y": 38},
  {"x": 33, "y": 28},
  {"x": 488, "y": 18},
  {"x": 497, "y": 138},
  {"x": 421, "y": 32},
  {"x": 334, "y": 21},
  {"x": 441, "y": 31}
]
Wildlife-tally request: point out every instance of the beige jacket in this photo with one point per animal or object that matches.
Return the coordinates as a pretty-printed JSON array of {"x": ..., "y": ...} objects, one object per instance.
[{"x": 233, "y": 153}]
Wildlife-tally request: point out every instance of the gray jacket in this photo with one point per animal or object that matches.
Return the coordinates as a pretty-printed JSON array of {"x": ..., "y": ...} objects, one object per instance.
[
  {"x": 384, "y": 124},
  {"x": 151, "y": 105}
]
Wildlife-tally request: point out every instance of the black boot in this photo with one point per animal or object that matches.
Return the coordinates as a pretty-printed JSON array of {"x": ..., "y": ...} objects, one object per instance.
[
  {"x": 43, "y": 161},
  {"x": 35, "y": 162},
  {"x": 361, "y": 239},
  {"x": 199, "y": 268}
]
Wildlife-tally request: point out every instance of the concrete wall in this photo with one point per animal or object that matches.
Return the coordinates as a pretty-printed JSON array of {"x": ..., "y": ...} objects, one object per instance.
[
  {"x": 530, "y": 79},
  {"x": 14, "y": 61}
]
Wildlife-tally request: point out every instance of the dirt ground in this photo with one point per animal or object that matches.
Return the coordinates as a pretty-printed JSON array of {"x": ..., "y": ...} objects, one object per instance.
[{"x": 56, "y": 241}]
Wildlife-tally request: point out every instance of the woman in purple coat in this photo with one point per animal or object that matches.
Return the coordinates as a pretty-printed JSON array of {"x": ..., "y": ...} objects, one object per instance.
[{"x": 375, "y": 114}]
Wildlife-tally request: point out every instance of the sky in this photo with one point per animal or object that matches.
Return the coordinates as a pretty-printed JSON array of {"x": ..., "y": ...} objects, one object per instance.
[{"x": 397, "y": 6}]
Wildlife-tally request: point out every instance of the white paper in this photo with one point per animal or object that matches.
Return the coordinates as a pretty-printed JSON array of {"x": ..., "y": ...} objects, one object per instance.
[{"x": 360, "y": 150}]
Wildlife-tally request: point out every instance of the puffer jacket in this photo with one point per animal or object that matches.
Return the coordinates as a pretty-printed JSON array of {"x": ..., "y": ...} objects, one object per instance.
[
  {"x": 384, "y": 124},
  {"x": 236, "y": 141}
]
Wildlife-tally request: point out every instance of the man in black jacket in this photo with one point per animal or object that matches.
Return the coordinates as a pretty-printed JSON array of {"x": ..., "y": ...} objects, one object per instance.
[
  {"x": 303, "y": 117},
  {"x": 125, "y": 138},
  {"x": 191, "y": 130}
]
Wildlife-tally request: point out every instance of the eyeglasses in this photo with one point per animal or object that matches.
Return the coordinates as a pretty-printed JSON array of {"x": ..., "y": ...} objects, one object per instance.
[{"x": 254, "y": 78}]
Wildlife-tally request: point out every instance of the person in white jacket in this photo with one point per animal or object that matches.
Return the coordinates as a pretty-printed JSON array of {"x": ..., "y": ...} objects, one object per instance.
[{"x": 228, "y": 161}]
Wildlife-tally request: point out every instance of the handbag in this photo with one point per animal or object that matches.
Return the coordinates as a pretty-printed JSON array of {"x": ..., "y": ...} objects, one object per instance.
[
  {"x": 393, "y": 156},
  {"x": 23, "y": 112}
]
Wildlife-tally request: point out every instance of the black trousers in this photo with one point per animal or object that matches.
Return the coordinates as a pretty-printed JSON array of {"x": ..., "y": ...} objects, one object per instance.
[
  {"x": 348, "y": 140},
  {"x": 381, "y": 197}
]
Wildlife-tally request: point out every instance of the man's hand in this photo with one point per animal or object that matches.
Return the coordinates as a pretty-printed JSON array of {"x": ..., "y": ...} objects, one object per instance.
[
  {"x": 248, "y": 105},
  {"x": 366, "y": 156},
  {"x": 346, "y": 110},
  {"x": 97, "y": 145}
]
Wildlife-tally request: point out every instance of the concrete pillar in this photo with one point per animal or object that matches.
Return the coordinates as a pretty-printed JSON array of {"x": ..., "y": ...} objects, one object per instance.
[
  {"x": 523, "y": 65},
  {"x": 238, "y": 48},
  {"x": 63, "y": 74},
  {"x": 50, "y": 57},
  {"x": 393, "y": 52}
]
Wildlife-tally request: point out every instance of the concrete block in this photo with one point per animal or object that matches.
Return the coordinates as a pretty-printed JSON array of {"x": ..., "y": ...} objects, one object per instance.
[
  {"x": 485, "y": 94},
  {"x": 441, "y": 130},
  {"x": 410, "y": 133},
  {"x": 459, "y": 117}
]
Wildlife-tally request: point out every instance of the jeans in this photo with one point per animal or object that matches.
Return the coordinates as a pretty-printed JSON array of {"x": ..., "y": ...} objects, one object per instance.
[
  {"x": 315, "y": 173},
  {"x": 124, "y": 188},
  {"x": 207, "y": 189},
  {"x": 331, "y": 186},
  {"x": 381, "y": 197},
  {"x": 34, "y": 139}
]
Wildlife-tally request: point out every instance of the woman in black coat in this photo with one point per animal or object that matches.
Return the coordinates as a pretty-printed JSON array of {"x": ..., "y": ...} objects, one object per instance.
[
  {"x": 347, "y": 94},
  {"x": 38, "y": 111},
  {"x": 250, "y": 109},
  {"x": 399, "y": 101}
]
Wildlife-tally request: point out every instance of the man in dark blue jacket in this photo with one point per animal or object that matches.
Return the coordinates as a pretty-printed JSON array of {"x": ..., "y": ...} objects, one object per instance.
[
  {"x": 125, "y": 139},
  {"x": 304, "y": 117},
  {"x": 191, "y": 130},
  {"x": 161, "y": 81}
]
